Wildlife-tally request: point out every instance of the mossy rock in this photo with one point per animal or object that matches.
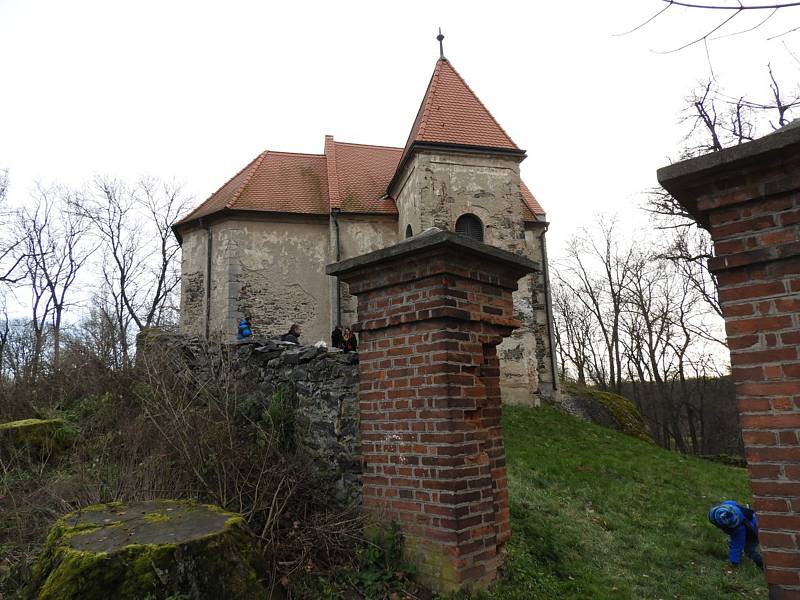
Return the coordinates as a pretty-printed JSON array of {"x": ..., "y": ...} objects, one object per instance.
[
  {"x": 603, "y": 408},
  {"x": 156, "y": 549},
  {"x": 39, "y": 435}
]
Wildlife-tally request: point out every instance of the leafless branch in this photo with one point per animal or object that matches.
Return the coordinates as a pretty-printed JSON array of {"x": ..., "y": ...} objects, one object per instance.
[{"x": 737, "y": 7}]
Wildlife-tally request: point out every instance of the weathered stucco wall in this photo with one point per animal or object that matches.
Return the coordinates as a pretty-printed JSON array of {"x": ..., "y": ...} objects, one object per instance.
[
  {"x": 193, "y": 282},
  {"x": 531, "y": 302},
  {"x": 277, "y": 274},
  {"x": 359, "y": 235},
  {"x": 435, "y": 189},
  {"x": 272, "y": 271}
]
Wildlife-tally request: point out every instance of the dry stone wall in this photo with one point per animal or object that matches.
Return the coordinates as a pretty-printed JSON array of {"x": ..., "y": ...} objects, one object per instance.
[{"x": 322, "y": 386}]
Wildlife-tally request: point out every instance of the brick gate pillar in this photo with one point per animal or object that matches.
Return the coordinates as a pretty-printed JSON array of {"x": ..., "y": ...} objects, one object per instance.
[
  {"x": 431, "y": 312},
  {"x": 748, "y": 197}
]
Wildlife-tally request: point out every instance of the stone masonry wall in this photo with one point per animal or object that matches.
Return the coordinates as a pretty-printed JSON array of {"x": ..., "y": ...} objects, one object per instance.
[
  {"x": 193, "y": 282},
  {"x": 748, "y": 198},
  {"x": 323, "y": 386}
]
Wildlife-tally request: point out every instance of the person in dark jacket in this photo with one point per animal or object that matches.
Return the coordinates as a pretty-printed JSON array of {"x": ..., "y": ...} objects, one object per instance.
[
  {"x": 740, "y": 523},
  {"x": 337, "y": 341},
  {"x": 293, "y": 335},
  {"x": 349, "y": 340}
]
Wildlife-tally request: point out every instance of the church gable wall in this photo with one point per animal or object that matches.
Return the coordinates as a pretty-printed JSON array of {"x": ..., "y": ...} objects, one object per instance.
[
  {"x": 359, "y": 235},
  {"x": 272, "y": 271}
]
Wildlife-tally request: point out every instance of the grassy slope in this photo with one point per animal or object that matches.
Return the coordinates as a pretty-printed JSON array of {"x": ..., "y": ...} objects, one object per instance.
[{"x": 596, "y": 514}]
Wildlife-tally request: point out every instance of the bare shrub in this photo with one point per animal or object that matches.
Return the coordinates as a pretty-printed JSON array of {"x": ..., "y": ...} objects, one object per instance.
[
  {"x": 239, "y": 447},
  {"x": 164, "y": 431}
]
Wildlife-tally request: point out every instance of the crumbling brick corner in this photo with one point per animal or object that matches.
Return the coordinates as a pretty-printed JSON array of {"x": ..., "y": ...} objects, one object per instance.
[
  {"x": 431, "y": 312},
  {"x": 748, "y": 197}
]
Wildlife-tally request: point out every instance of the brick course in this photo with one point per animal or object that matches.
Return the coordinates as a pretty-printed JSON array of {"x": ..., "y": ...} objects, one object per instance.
[
  {"x": 431, "y": 312},
  {"x": 749, "y": 200}
]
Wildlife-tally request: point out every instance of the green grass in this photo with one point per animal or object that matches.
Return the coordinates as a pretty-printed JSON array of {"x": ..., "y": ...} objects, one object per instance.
[{"x": 597, "y": 514}]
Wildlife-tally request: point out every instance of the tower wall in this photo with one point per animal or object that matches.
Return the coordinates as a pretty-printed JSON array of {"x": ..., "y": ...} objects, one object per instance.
[{"x": 434, "y": 190}]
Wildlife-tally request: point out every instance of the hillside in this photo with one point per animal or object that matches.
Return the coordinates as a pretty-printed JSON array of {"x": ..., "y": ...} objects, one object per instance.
[{"x": 597, "y": 514}]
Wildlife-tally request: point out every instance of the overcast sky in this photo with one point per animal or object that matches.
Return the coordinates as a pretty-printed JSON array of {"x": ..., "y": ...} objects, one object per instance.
[{"x": 193, "y": 90}]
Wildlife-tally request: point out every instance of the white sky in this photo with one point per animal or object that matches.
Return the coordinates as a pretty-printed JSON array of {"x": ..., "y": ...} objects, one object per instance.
[{"x": 193, "y": 90}]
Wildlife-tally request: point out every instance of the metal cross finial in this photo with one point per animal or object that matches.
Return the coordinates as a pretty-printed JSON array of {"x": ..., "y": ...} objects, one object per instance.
[{"x": 440, "y": 37}]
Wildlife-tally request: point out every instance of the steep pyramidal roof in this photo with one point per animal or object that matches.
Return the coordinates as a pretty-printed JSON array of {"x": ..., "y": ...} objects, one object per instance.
[
  {"x": 354, "y": 178},
  {"x": 452, "y": 114}
]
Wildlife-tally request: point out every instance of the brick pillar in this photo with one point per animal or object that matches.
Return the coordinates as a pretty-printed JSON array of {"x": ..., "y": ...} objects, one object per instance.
[
  {"x": 431, "y": 312},
  {"x": 748, "y": 197}
]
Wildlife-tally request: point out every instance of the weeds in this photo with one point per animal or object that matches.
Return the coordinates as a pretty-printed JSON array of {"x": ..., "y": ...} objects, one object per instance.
[{"x": 168, "y": 433}]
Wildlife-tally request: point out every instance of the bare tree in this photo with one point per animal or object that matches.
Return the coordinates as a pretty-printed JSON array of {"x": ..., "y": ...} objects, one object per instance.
[
  {"x": 18, "y": 350},
  {"x": 715, "y": 121},
  {"x": 139, "y": 272},
  {"x": 573, "y": 334},
  {"x": 600, "y": 291},
  {"x": 54, "y": 249},
  {"x": 631, "y": 320},
  {"x": 10, "y": 257}
]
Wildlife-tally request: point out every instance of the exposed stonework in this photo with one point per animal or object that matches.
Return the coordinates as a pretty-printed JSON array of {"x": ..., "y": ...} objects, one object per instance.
[{"x": 323, "y": 389}]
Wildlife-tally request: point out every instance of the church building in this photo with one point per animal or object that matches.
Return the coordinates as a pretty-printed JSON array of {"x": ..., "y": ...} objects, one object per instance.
[{"x": 259, "y": 245}]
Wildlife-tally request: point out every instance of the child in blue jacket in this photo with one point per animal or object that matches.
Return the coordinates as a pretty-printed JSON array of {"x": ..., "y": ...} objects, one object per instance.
[{"x": 740, "y": 523}]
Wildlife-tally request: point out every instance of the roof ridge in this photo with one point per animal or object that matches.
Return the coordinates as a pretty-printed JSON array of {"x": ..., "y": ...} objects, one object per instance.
[
  {"x": 429, "y": 94},
  {"x": 488, "y": 112},
  {"x": 334, "y": 200},
  {"x": 368, "y": 145},
  {"x": 256, "y": 163},
  {"x": 295, "y": 153}
]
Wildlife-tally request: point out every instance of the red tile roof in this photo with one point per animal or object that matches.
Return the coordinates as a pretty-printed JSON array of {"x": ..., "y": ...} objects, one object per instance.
[
  {"x": 354, "y": 178},
  {"x": 530, "y": 205},
  {"x": 451, "y": 113},
  {"x": 364, "y": 173},
  {"x": 274, "y": 182}
]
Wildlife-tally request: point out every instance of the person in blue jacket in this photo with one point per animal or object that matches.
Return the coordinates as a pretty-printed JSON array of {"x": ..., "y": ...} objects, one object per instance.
[
  {"x": 740, "y": 523},
  {"x": 245, "y": 330}
]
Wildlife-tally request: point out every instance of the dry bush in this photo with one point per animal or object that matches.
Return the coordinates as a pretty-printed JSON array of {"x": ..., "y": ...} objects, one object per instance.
[
  {"x": 240, "y": 449},
  {"x": 168, "y": 433}
]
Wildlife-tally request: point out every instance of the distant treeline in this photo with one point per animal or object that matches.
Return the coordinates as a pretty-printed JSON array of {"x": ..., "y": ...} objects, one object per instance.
[{"x": 708, "y": 422}]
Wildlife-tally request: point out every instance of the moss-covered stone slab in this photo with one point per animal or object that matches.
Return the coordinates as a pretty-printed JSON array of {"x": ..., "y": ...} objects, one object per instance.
[
  {"x": 156, "y": 549},
  {"x": 603, "y": 408},
  {"x": 46, "y": 435}
]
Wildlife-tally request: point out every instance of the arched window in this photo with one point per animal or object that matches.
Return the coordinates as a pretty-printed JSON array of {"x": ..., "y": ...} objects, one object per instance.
[
  {"x": 470, "y": 226},
  {"x": 409, "y": 233}
]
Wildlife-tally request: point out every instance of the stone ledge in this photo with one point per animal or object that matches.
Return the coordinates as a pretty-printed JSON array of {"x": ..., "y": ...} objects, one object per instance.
[
  {"x": 708, "y": 164},
  {"x": 433, "y": 240}
]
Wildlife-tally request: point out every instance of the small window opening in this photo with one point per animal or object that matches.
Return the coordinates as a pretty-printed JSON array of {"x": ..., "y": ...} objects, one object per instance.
[
  {"x": 470, "y": 226},
  {"x": 409, "y": 233}
]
